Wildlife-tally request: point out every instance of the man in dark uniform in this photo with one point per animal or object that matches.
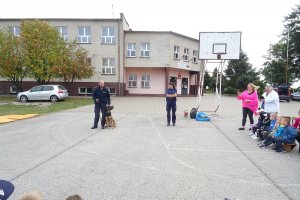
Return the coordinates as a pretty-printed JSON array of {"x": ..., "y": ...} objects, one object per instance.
[
  {"x": 101, "y": 98},
  {"x": 171, "y": 103}
]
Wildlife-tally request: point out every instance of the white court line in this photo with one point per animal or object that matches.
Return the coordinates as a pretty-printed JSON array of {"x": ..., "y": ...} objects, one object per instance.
[
  {"x": 197, "y": 169},
  {"x": 174, "y": 158}
]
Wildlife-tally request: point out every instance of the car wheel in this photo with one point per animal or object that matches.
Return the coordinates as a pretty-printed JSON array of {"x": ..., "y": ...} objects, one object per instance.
[
  {"x": 23, "y": 99},
  {"x": 54, "y": 98}
]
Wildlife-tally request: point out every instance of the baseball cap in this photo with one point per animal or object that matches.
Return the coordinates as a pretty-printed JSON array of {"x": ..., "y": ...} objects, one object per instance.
[{"x": 6, "y": 189}]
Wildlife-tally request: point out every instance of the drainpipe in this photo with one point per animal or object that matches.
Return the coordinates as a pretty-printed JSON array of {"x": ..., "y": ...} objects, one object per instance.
[{"x": 119, "y": 54}]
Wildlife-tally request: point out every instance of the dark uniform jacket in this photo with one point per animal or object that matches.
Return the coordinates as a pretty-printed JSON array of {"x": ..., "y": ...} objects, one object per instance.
[
  {"x": 171, "y": 91},
  {"x": 102, "y": 94}
]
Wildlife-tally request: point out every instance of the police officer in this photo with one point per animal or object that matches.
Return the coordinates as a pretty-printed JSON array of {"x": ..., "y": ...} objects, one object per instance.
[
  {"x": 171, "y": 103},
  {"x": 101, "y": 98}
]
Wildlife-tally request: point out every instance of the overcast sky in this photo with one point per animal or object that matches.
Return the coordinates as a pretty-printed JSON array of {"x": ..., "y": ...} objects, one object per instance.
[{"x": 259, "y": 20}]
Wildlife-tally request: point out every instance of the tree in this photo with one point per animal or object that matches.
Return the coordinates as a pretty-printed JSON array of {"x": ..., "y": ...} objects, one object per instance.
[
  {"x": 207, "y": 79},
  {"x": 43, "y": 48},
  {"x": 238, "y": 68},
  {"x": 292, "y": 28},
  {"x": 275, "y": 65},
  {"x": 12, "y": 59},
  {"x": 74, "y": 64}
]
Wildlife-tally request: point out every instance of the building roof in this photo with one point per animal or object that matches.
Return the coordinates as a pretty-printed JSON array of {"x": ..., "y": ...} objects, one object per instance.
[{"x": 166, "y": 32}]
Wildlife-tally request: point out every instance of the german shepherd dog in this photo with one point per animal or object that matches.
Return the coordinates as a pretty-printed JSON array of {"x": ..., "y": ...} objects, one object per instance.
[{"x": 109, "y": 120}]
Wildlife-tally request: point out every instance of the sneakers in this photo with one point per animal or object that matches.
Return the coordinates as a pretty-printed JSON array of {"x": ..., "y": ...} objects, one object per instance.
[
  {"x": 254, "y": 137},
  {"x": 280, "y": 150},
  {"x": 261, "y": 145}
]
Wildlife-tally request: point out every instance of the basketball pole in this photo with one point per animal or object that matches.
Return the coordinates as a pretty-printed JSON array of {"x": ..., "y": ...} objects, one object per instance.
[{"x": 220, "y": 92}]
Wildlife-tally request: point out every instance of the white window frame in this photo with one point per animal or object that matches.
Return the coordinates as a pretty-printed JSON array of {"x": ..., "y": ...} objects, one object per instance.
[
  {"x": 60, "y": 30},
  {"x": 131, "y": 49},
  {"x": 132, "y": 78},
  {"x": 176, "y": 52},
  {"x": 12, "y": 89},
  {"x": 112, "y": 93},
  {"x": 110, "y": 68},
  {"x": 195, "y": 53},
  {"x": 86, "y": 37},
  {"x": 109, "y": 38},
  {"x": 186, "y": 54},
  {"x": 145, "y": 50},
  {"x": 14, "y": 30},
  {"x": 89, "y": 60},
  {"x": 145, "y": 83},
  {"x": 86, "y": 88}
]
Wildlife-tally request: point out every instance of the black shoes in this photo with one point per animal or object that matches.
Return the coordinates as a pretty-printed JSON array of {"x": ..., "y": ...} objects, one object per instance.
[
  {"x": 168, "y": 124},
  {"x": 102, "y": 127},
  {"x": 93, "y": 127},
  {"x": 242, "y": 128}
]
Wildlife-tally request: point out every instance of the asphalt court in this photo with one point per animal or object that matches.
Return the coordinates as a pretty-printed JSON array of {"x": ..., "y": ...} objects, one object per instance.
[{"x": 59, "y": 155}]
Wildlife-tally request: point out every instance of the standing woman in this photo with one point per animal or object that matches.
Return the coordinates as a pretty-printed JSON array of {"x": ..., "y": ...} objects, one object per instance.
[
  {"x": 171, "y": 103},
  {"x": 250, "y": 104}
]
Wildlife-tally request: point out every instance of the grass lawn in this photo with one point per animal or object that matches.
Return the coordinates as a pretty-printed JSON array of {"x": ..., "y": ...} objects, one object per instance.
[{"x": 8, "y": 107}]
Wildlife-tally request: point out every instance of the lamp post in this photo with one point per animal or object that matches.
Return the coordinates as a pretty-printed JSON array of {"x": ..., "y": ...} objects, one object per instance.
[{"x": 287, "y": 56}]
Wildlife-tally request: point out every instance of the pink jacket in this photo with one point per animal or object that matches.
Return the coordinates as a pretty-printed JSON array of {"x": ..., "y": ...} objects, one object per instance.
[{"x": 252, "y": 104}]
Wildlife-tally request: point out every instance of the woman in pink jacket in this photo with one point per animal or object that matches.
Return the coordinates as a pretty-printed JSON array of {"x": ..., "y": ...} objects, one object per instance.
[{"x": 250, "y": 104}]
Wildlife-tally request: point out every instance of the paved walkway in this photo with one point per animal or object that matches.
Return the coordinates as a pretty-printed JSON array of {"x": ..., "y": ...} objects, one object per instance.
[{"x": 60, "y": 155}]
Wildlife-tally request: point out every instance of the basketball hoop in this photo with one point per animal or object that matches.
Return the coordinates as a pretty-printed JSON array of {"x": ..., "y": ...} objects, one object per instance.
[{"x": 218, "y": 47}]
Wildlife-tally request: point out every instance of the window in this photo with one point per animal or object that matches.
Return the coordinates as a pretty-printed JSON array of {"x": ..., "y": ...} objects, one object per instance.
[
  {"x": 89, "y": 61},
  {"x": 108, "y": 66},
  {"x": 108, "y": 35},
  {"x": 131, "y": 49},
  {"x": 48, "y": 88},
  {"x": 145, "y": 50},
  {"x": 132, "y": 80},
  {"x": 36, "y": 89},
  {"x": 85, "y": 90},
  {"x": 84, "y": 34},
  {"x": 176, "y": 52},
  {"x": 145, "y": 81},
  {"x": 195, "y": 53},
  {"x": 112, "y": 90},
  {"x": 63, "y": 31},
  {"x": 15, "y": 30},
  {"x": 186, "y": 54},
  {"x": 13, "y": 89}
]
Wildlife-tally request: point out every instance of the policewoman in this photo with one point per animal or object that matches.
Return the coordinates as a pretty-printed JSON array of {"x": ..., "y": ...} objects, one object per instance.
[
  {"x": 101, "y": 98},
  {"x": 171, "y": 103}
]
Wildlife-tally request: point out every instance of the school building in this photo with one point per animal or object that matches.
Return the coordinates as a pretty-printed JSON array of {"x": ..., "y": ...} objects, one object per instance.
[{"x": 130, "y": 62}]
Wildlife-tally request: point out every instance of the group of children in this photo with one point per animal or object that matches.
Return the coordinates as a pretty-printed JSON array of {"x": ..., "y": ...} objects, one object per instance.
[{"x": 276, "y": 129}]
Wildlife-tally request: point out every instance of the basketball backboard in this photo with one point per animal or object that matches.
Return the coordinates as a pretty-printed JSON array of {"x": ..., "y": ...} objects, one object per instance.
[{"x": 219, "y": 45}]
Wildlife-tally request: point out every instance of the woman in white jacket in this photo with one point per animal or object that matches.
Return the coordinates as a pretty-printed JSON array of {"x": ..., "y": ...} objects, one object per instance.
[{"x": 271, "y": 100}]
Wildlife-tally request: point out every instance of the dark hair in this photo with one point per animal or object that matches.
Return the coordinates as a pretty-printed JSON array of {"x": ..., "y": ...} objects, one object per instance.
[{"x": 74, "y": 197}]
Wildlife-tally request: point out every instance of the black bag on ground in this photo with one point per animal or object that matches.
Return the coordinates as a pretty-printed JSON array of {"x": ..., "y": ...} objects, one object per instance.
[{"x": 193, "y": 113}]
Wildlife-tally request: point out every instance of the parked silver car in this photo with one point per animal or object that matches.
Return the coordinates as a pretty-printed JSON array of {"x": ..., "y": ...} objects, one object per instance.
[
  {"x": 296, "y": 95},
  {"x": 53, "y": 93}
]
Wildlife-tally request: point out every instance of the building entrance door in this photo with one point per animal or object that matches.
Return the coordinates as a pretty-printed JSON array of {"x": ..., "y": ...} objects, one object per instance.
[{"x": 184, "y": 86}]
